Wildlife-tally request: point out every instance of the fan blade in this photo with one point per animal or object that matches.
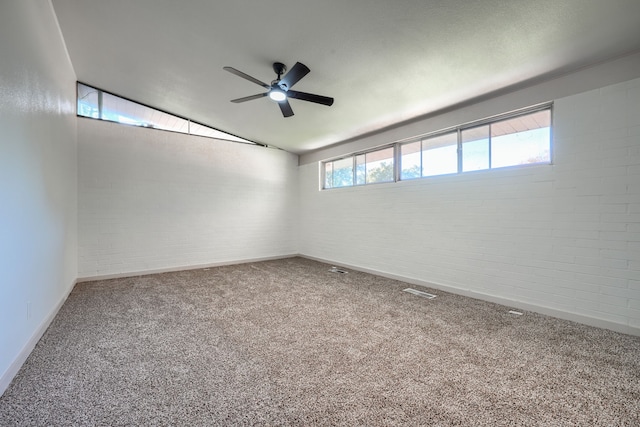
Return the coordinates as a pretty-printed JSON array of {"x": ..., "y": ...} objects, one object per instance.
[
  {"x": 294, "y": 75},
  {"x": 318, "y": 99},
  {"x": 285, "y": 107},
  {"x": 250, "y": 98},
  {"x": 246, "y": 76}
]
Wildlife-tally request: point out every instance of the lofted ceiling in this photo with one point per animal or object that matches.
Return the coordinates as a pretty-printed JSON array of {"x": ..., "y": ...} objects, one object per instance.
[{"x": 385, "y": 62}]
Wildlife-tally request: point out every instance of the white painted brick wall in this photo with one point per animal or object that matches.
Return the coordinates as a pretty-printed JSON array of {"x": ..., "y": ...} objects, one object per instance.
[
  {"x": 564, "y": 237},
  {"x": 153, "y": 200},
  {"x": 38, "y": 179}
]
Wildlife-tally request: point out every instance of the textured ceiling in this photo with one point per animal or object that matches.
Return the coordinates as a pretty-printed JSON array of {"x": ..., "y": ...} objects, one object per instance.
[{"x": 384, "y": 62}]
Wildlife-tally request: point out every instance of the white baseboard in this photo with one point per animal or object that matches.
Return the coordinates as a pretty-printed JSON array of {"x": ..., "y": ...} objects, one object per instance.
[
  {"x": 574, "y": 317},
  {"x": 13, "y": 369},
  {"x": 22, "y": 356},
  {"x": 179, "y": 268}
]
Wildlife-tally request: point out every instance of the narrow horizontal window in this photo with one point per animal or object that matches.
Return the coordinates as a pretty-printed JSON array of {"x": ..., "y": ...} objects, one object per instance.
[
  {"x": 98, "y": 104},
  {"x": 511, "y": 139},
  {"x": 375, "y": 166},
  {"x": 360, "y": 169},
  {"x": 339, "y": 173}
]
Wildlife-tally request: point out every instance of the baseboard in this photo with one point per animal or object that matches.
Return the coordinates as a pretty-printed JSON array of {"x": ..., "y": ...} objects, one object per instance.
[
  {"x": 22, "y": 356},
  {"x": 574, "y": 317},
  {"x": 13, "y": 369},
  {"x": 179, "y": 268}
]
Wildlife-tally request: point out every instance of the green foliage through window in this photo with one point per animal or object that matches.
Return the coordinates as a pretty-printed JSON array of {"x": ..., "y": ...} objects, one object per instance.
[{"x": 513, "y": 139}]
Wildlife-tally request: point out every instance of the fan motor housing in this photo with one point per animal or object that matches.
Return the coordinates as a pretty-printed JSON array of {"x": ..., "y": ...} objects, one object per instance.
[{"x": 279, "y": 68}]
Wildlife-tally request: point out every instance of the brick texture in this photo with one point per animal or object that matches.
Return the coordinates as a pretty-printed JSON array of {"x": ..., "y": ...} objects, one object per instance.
[
  {"x": 562, "y": 236},
  {"x": 152, "y": 200}
]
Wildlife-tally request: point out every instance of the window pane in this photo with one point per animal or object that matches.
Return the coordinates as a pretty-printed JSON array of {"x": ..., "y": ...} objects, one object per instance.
[
  {"x": 116, "y": 109},
  {"x": 440, "y": 155},
  {"x": 510, "y": 140},
  {"x": 521, "y": 140},
  {"x": 361, "y": 169},
  {"x": 88, "y": 101},
  {"x": 343, "y": 172},
  {"x": 198, "y": 129},
  {"x": 380, "y": 165},
  {"x": 97, "y": 104},
  {"x": 410, "y": 160},
  {"x": 475, "y": 148}
]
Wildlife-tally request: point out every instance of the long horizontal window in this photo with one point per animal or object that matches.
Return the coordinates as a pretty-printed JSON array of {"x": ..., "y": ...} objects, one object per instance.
[
  {"x": 509, "y": 140},
  {"x": 98, "y": 104},
  {"x": 374, "y": 166},
  {"x": 364, "y": 168}
]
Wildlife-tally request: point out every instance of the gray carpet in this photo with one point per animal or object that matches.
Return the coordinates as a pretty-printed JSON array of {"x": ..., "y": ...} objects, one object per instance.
[{"x": 289, "y": 343}]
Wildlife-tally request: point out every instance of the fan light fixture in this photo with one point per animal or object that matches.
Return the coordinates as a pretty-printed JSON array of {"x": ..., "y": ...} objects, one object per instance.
[
  {"x": 280, "y": 89},
  {"x": 277, "y": 95}
]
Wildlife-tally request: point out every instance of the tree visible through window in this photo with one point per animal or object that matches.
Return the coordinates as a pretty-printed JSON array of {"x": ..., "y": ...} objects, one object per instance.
[
  {"x": 514, "y": 139},
  {"x": 375, "y": 166}
]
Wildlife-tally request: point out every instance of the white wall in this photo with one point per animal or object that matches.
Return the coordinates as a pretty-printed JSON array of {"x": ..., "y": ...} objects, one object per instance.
[
  {"x": 561, "y": 239},
  {"x": 38, "y": 178},
  {"x": 152, "y": 200}
]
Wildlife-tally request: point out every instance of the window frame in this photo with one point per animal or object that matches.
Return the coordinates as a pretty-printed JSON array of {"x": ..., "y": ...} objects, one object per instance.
[
  {"x": 101, "y": 93},
  {"x": 353, "y": 157},
  {"x": 367, "y": 170},
  {"x": 458, "y": 130}
]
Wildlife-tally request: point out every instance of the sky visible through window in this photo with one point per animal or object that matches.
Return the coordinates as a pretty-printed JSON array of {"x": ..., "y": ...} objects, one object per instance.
[
  {"x": 531, "y": 146},
  {"x": 519, "y": 140},
  {"x": 100, "y": 105}
]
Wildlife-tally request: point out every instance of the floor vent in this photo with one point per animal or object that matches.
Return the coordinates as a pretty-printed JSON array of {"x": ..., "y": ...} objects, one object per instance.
[
  {"x": 419, "y": 293},
  {"x": 337, "y": 270}
]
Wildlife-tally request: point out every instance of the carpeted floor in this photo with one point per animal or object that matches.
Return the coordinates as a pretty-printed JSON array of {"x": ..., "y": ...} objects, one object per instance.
[{"x": 289, "y": 343}]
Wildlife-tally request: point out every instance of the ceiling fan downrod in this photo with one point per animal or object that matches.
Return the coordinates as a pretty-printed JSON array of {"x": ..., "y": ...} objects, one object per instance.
[{"x": 279, "y": 69}]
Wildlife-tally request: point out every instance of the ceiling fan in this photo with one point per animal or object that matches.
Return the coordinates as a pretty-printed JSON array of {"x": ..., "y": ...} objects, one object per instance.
[{"x": 280, "y": 88}]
